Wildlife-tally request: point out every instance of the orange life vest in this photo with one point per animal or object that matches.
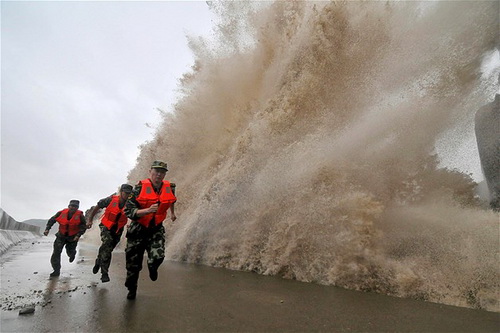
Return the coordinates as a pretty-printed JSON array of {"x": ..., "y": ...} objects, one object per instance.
[
  {"x": 69, "y": 227},
  {"x": 148, "y": 197},
  {"x": 110, "y": 216}
]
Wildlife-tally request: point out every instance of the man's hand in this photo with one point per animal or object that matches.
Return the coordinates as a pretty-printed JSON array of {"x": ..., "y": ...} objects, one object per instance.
[
  {"x": 46, "y": 232},
  {"x": 145, "y": 211},
  {"x": 153, "y": 208},
  {"x": 173, "y": 217},
  {"x": 89, "y": 225},
  {"x": 76, "y": 238}
]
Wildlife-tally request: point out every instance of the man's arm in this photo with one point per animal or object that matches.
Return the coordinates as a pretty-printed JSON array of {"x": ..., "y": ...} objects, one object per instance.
[
  {"x": 172, "y": 207},
  {"x": 82, "y": 226},
  {"x": 50, "y": 223},
  {"x": 132, "y": 205},
  {"x": 101, "y": 204},
  {"x": 172, "y": 212},
  {"x": 94, "y": 210}
]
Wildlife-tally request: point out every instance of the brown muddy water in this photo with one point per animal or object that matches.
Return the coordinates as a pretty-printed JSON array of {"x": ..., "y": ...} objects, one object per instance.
[{"x": 332, "y": 142}]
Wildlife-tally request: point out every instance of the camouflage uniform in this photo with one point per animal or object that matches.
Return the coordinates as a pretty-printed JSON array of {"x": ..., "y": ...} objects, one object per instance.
[
  {"x": 109, "y": 238},
  {"x": 141, "y": 239},
  {"x": 62, "y": 241}
]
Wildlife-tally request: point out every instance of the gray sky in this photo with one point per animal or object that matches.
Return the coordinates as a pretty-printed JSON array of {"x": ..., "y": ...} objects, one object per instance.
[{"x": 80, "y": 81}]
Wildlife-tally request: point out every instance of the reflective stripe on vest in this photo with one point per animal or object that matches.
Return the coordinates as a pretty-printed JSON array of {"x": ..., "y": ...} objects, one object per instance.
[
  {"x": 110, "y": 216},
  {"x": 148, "y": 197},
  {"x": 69, "y": 227}
]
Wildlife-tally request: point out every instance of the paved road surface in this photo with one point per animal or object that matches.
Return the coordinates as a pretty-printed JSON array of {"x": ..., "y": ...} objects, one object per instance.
[{"x": 193, "y": 298}]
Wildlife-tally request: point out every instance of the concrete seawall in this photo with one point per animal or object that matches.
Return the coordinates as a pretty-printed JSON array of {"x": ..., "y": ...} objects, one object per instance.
[
  {"x": 13, "y": 232},
  {"x": 8, "y": 223},
  {"x": 10, "y": 238}
]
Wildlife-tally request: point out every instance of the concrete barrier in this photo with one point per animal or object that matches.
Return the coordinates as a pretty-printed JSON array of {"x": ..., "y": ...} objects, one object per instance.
[
  {"x": 9, "y": 238},
  {"x": 13, "y": 232},
  {"x": 8, "y": 223}
]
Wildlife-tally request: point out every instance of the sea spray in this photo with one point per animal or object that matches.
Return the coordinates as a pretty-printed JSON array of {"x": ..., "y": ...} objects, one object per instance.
[{"x": 304, "y": 145}]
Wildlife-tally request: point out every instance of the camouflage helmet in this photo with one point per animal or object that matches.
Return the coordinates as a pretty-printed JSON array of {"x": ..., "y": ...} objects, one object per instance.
[
  {"x": 126, "y": 188},
  {"x": 75, "y": 203},
  {"x": 159, "y": 165}
]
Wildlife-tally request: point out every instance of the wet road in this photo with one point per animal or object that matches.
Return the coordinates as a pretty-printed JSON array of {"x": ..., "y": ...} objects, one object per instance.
[{"x": 193, "y": 298}]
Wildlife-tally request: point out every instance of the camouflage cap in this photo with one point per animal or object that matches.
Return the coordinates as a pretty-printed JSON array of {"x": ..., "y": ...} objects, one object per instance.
[
  {"x": 126, "y": 188},
  {"x": 75, "y": 203},
  {"x": 159, "y": 165}
]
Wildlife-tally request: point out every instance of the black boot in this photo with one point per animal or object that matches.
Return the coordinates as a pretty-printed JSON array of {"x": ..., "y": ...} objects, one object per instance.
[
  {"x": 105, "y": 277},
  {"x": 153, "y": 272},
  {"x": 96, "y": 267},
  {"x": 131, "y": 284},
  {"x": 132, "y": 293},
  {"x": 55, "y": 273},
  {"x": 153, "y": 269}
]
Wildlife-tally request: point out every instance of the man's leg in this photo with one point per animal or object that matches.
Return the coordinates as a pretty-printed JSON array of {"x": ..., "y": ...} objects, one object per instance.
[
  {"x": 105, "y": 250},
  {"x": 156, "y": 252},
  {"x": 71, "y": 248},
  {"x": 55, "y": 259},
  {"x": 97, "y": 264},
  {"x": 134, "y": 254}
]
